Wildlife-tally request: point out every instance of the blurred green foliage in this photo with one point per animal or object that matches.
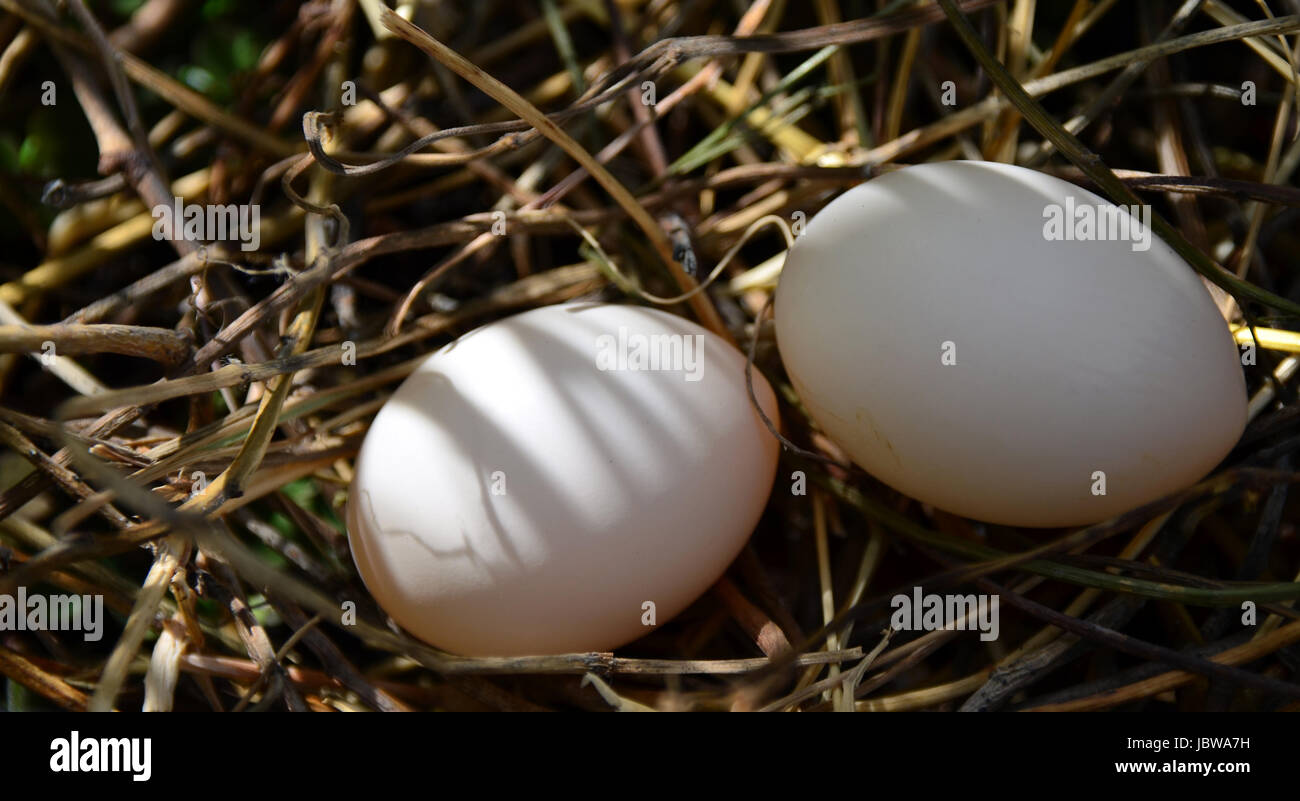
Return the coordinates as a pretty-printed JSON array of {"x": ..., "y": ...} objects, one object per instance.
[{"x": 210, "y": 51}]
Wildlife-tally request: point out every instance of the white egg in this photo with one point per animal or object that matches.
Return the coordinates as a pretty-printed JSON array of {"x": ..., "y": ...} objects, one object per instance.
[
  {"x": 953, "y": 329},
  {"x": 562, "y": 480}
]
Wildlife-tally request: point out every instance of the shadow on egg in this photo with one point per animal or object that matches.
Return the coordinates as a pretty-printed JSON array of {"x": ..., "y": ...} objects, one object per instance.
[{"x": 538, "y": 506}]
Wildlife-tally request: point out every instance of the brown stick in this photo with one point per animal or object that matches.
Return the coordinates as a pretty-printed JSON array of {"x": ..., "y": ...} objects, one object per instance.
[{"x": 159, "y": 344}]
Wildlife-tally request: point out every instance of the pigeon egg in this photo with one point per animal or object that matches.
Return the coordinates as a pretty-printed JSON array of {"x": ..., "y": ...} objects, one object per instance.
[
  {"x": 1006, "y": 346},
  {"x": 562, "y": 480}
]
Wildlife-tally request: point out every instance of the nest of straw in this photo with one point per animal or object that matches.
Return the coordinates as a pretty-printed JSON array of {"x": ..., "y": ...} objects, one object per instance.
[{"x": 180, "y": 428}]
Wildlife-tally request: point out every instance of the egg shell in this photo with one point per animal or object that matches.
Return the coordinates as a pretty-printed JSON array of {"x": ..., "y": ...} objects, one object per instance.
[
  {"x": 1070, "y": 359},
  {"x": 527, "y": 489}
]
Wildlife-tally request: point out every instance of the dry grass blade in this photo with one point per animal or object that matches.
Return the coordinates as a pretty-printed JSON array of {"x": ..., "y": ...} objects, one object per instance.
[{"x": 528, "y": 112}]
